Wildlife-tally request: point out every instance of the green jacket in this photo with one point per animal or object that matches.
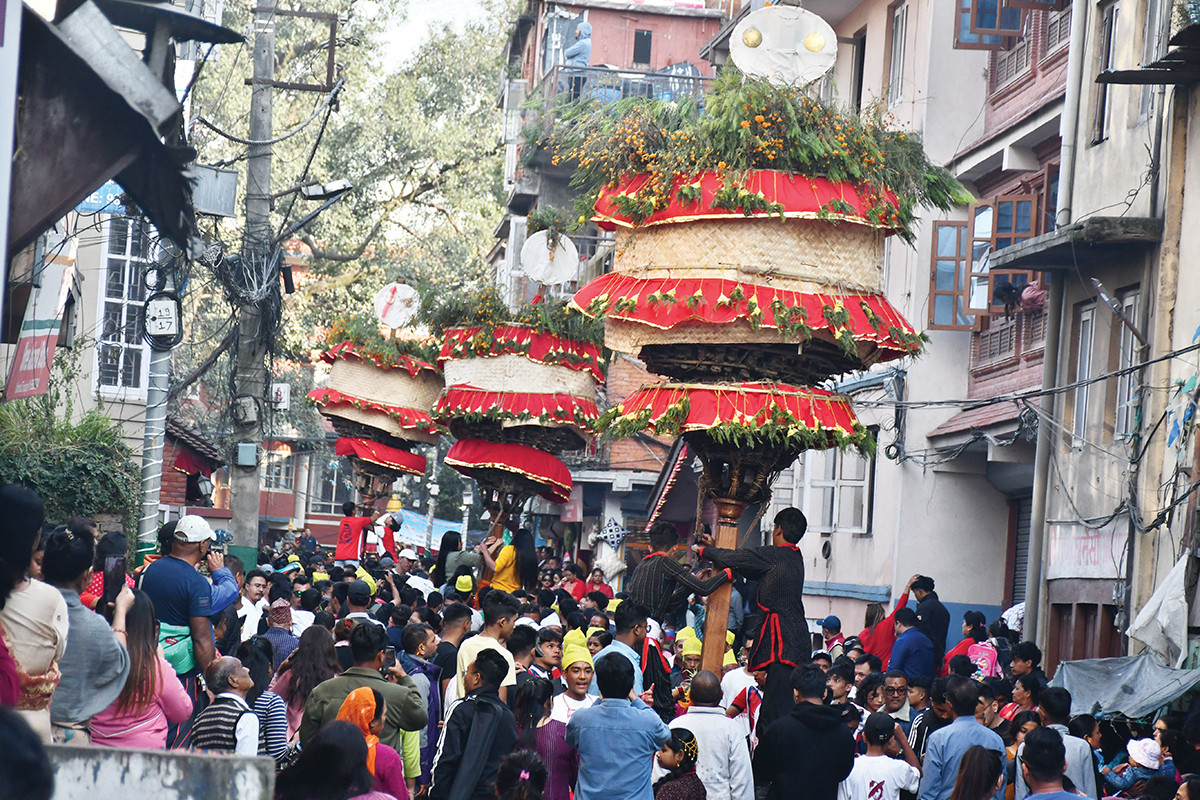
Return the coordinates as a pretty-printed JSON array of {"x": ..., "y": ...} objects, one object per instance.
[{"x": 405, "y": 711}]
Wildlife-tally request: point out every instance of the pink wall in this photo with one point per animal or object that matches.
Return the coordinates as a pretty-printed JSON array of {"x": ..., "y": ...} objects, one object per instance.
[{"x": 674, "y": 39}]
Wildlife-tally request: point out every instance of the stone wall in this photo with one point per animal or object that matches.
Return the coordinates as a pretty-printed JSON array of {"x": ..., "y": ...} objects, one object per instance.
[{"x": 98, "y": 772}]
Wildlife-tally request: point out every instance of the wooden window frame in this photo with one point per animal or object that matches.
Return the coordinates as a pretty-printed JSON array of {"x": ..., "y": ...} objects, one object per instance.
[
  {"x": 964, "y": 39},
  {"x": 986, "y": 242},
  {"x": 1085, "y": 333},
  {"x": 958, "y": 293},
  {"x": 1105, "y": 52},
  {"x": 897, "y": 22},
  {"x": 1015, "y": 18}
]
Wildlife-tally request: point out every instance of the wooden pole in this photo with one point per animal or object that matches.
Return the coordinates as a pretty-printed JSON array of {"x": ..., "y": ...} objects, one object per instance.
[{"x": 716, "y": 621}]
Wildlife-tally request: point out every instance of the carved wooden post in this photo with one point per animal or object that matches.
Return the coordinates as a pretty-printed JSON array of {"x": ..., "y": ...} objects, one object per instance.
[{"x": 716, "y": 620}]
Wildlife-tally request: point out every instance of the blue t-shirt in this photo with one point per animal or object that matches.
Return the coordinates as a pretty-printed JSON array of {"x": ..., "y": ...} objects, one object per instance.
[{"x": 177, "y": 590}]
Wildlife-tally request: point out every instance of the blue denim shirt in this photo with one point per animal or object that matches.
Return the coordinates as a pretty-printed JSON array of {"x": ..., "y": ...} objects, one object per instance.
[
  {"x": 628, "y": 652},
  {"x": 616, "y": 740},
  {"x": 944, "y": 753}
]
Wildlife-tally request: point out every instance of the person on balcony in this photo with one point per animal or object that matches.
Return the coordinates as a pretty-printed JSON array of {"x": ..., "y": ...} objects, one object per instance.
[{"x": 579, "y": 55}]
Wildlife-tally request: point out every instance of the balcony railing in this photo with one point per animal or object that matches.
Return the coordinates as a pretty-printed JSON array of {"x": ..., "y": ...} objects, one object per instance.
[
  {"x": 566, "y": 84},
  {"x": 1004, "y": 340}
]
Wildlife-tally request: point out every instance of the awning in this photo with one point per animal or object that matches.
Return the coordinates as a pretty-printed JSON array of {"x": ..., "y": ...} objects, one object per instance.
[
  {"x": 381, "y": 454},
  {"x": 1134, "y": 686},
  {"x": 984, "y": 417},
  {"x": 408, "y": 418},
  {"x": 1092, "y": 240},
  {"x": 1181, "y": 65},
  {"x": 512, "y": 467}
]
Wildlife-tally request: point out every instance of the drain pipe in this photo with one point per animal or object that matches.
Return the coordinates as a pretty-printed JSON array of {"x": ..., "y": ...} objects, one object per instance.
[{"x": 1035, "y": 627}]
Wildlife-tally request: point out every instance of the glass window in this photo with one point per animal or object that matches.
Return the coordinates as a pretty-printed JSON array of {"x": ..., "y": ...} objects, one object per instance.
[
  {"x": 833, "y": 488},
  {"x": 1083, "y": 371},
  {"x": 896, "y": 65},
  {"x": 121, "y": 357},
  {"x": 1126, "y": 422}
]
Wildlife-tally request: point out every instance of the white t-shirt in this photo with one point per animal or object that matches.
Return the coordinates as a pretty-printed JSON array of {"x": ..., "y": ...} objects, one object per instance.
[
  {"x": 562, "y": 707},
  {"x": 251, "y": 614},
  {"x": 879, "y": 778},
  {"x": 731, "y": 685},
  {"x": 470, "y": 648}
]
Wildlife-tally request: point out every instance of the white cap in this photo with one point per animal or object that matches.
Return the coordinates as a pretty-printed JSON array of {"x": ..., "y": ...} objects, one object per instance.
[
  {"x": 192, "y": 528},
  {"x": 653, "y": 630},
  {"x": 409, "y": 553},
  {"x": 526, "y": 621},
  {"x": 552, "y": 621}
]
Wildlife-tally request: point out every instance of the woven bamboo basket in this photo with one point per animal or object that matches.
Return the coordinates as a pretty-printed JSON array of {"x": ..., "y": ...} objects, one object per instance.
[
  {"x": 511, "y": 372},
  {"x": 795, "y": 254},
  {"x": 391, "y": 387}
]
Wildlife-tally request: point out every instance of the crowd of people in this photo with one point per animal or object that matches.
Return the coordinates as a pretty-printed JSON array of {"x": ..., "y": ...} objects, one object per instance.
[{"x": 503, "y": 670}]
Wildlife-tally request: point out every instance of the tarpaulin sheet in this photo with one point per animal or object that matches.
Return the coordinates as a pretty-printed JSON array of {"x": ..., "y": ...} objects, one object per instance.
[{"x": 1134, "y": 686}]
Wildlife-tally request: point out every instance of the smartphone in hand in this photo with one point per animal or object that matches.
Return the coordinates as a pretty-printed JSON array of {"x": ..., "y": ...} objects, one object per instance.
[
  {"x": 389, "y": 660},
  {"x": 114, "y": 579}
]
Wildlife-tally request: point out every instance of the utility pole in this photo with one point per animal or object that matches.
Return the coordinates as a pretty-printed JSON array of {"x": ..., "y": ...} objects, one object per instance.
[{"x": 250, "y": 364}]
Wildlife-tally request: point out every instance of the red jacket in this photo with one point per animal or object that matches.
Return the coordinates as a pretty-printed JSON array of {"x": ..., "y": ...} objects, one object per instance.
[{"x": 879, "y": 639}]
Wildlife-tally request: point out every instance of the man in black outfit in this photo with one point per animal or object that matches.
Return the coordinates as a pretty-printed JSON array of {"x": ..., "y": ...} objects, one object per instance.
[
  {"x": 661, "y": 583},
  {"x": 933, "y": 616},
  {"x": 479, "y": 730},
  {"x": 807, "y": 753},
  {"x": 783, "y": 641}
]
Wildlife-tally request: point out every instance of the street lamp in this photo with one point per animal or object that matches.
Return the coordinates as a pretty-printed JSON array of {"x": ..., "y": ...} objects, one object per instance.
[{"x": 330, "y": 193}]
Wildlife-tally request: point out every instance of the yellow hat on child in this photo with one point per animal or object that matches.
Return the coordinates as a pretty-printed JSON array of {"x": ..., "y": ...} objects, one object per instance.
[
  {"x": 730, "y": 659},
  {"x": 692, "y": 647}
]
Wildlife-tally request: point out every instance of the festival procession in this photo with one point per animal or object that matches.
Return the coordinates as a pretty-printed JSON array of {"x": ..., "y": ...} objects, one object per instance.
[{"x": 599, "y": 400}]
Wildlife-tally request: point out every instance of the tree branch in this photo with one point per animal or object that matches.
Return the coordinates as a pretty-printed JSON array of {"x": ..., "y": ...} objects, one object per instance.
[{"x": 205, "y": 365}]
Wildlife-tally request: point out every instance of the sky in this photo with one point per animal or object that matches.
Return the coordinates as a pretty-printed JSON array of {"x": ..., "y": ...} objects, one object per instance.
[{"x": 406, "y": 37}]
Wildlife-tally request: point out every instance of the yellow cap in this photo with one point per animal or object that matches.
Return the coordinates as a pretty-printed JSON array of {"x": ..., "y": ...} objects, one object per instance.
[
  {"x": 574, "y": 653},
  {"x": 685, "y": 633},
  {"x": 293, "y": 559},
  {"x": 464, "y": 583},
  {"x": 575, "y": 638},
  {"x": 692, "y": 647},
  {"x": 320, "y": 576},
  {"x": 593, "y": 631},
  {"x": 730, "y": 659},
  {"x": 612, "y": 604},
  {"x": 729, "y": 637}
]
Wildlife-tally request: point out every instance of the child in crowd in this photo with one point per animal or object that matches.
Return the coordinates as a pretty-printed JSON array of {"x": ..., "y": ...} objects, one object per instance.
[
  {"x": 1145, "y": 761},
  {"x": 678, "y": 756}
]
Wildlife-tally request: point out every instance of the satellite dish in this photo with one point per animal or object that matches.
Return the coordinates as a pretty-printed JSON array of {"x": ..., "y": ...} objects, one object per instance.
[
  {"x": 546, "y": 264},
  {"x": 396, "y": 304},
  {"x": 786, "y": 45}
]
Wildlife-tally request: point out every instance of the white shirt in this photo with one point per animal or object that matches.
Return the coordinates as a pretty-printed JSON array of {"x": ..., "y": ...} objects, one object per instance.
[
  {"x": 724, "y": 763},
  {"x": 879, "y": 778},
  {"x": 246, "y": 729},
  {"x": 363, "y": 616},
  {"x": 562, "y": 707},
  {"x": 251, "y": 614},
  {"x": 732, "y": 684},
  {"x": 301, "y": 621}
]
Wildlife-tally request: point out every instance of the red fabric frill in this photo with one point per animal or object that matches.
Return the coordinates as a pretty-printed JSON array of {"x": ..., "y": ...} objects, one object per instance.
[
  {"x": 664, "y": 303},
  {"x": 801, "y": 198},
  {"x": 407, "y": 418},
  {"x": 456, "y": 401},
  {"x": 476, "y": 458},
  {"x": 381, "y": 454},
  {"x": 351, "y": 350},
  {"x": 746, "y": 404}
]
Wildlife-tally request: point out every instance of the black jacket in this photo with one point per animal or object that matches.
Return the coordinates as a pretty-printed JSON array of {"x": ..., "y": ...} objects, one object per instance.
[
  {"x": 805, "y": 755},
  {"x": 479, "y": 730},
  {"x": 783, "y": 636},
  {"x": 934, "y": 622}
]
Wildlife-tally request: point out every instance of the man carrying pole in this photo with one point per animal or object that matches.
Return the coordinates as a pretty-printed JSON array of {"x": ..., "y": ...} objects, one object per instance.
[{"x": 783, "y": 641}]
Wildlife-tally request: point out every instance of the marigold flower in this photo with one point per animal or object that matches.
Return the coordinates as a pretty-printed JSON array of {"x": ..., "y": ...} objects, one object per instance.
[{"x": 758, "y": 117}]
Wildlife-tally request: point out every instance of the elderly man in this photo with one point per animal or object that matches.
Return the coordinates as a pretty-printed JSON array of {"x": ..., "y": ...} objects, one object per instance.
[
  {"x": 895, "y": 698},
  {"x": 227, "y": 725},
  {"x": 724, "y": 763}
]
